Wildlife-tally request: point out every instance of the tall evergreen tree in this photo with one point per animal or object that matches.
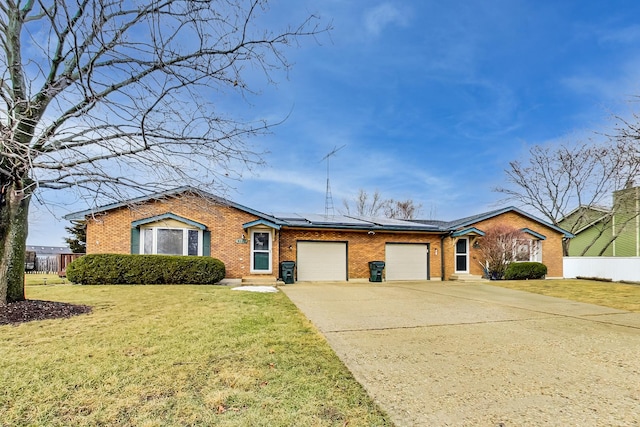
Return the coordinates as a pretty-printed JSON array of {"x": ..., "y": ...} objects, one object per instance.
[{"x": 77, "y": 242}]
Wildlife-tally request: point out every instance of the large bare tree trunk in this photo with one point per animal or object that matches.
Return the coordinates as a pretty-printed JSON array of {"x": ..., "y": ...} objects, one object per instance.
[
  {"x": 14, "y": 213},
  {"x": 116, "y": 99}
]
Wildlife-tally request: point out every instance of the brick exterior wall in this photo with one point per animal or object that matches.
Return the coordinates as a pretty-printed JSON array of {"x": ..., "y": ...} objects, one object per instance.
[
  {"x": 110, "y": 232},
  {"x": 361, "y": 247},
  {"x": 551, "y": 247}
]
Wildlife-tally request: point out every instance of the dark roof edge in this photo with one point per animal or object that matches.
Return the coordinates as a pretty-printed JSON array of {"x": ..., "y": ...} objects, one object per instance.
[
  {"x": 481, "y": 217},
  {"x": 168, "y": 193},
  {"x": 372, "y": 227}
]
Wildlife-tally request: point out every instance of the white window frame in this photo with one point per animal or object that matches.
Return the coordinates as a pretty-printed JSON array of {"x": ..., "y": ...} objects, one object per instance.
[
  {"x": 535, "y": 250},
  {"x": 253, "y": 251},
  {"x": 185, "y": 239}
]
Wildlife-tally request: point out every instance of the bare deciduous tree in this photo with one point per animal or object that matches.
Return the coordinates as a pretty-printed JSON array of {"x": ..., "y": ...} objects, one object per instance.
[
  {"x": 556, "y": 180},
  {"x": 498, "y": 248},
  {"x": 406, "y": 209},
  {"x": 112, "y": 97},
  {"x": 365, "y": 205},
  {"x": 376, "y": 206}
]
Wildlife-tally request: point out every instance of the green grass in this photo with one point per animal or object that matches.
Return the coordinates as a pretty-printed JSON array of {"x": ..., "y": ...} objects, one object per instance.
[
  {"x": 43, "y": 279},
  {"x": 608, "y": 294},
  {"x": 178, "y": 356}
]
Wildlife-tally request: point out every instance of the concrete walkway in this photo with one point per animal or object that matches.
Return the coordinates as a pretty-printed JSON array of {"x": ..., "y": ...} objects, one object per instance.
[{"x": 450, "y": 354}]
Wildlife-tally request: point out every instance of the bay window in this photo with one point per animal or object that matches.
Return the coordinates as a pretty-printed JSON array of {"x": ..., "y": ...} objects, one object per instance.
[{"x": 170, "y": 234}]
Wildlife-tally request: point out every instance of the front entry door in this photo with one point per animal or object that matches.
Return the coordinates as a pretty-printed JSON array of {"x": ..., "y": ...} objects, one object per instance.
[
  {"x": 261, "y": 252},
  {"x": 462, "y": 255}
]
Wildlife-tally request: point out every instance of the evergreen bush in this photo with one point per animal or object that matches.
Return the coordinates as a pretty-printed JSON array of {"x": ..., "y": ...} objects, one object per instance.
[
  {"x": 525, "y": 271},
  {"x": 116, "y": 269}
]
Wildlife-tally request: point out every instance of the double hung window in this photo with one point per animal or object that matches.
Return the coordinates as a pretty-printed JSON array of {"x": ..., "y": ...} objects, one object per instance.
[
  {"x": 528, "y": 250},
  {"x": 171, "y": 241}
]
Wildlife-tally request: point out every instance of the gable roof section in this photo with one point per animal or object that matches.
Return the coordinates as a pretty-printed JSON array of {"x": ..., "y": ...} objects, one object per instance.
[
  {"x": 169, "y": 193},
  {"x": 463, "y": 222},
  {"x": 261, "y": 222},
  {"x": 534, "y": 234},
  {"x": 276, "y": 221},
  {"x": 593, "y": 208},
  {"x": 600, "y": 215},
  {"x": 321, "y": 221},
  {"x": 471, "y": 231},
  {"x": 453, "y": 226},
  {"x": 167, "y": 216}
]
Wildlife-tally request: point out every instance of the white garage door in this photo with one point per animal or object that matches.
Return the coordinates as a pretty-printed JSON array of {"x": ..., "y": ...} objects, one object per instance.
[
  {"x": 406, "y": 261},
  {"x": 322, "y": 261}
]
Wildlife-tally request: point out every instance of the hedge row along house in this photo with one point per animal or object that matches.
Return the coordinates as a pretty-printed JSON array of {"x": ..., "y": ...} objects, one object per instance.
[{"x": 185, "y": 221}]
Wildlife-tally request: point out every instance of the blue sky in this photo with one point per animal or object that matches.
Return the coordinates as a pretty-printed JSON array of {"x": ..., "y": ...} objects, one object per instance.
[{"x": 431, "y": 100}]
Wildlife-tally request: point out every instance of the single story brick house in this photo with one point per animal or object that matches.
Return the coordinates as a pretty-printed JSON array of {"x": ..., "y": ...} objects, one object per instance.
[{"x": 252, "y": 244}]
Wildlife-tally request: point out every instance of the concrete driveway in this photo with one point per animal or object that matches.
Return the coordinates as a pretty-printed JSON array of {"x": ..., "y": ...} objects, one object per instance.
[{"x": 452, "y": 354}]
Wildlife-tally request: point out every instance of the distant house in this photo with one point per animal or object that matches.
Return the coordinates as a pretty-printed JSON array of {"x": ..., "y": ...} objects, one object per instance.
[
  {"x": 48, "y": 250},
  {"x": 44, "y": 259},
  {"x": 606, "y": 231},
  {"x": 591, "y": 227},
  {"x": 252, "y": 244}
]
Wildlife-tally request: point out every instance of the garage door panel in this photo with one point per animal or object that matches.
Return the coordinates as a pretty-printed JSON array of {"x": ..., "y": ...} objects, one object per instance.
[
  {"x": 406, "y": 261},
  {"x": 322, "y": 261}
]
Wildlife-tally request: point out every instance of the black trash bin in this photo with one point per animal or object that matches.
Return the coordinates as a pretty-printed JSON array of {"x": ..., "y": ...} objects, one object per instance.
[
  {"x": 286, "y": 271},
  {"x": 375, "y": 270}
]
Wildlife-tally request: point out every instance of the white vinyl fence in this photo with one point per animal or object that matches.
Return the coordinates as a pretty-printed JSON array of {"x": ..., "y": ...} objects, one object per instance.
[{"x": 614, "y": 268}]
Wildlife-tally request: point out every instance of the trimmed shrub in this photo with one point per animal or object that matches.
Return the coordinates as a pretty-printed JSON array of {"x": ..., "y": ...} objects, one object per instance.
[
  {"x": 525, "y": 271},
  {"x": 116, "y": 269}
]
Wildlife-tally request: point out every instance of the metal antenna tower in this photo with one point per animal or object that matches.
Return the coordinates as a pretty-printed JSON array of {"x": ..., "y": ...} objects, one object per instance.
[{"x": 328, "y": 199}]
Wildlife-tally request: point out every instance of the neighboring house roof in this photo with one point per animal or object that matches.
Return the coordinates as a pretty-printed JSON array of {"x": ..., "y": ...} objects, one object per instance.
[
  {"x": 591, "y": 224},
  {"x": 48, "y": 250},
  {"x": 601, "y": 213},
  {"x": 594, "y": 208}
]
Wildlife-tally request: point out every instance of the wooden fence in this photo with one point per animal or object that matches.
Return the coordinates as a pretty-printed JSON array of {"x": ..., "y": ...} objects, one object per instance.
[{"x": 49, "y": 264}]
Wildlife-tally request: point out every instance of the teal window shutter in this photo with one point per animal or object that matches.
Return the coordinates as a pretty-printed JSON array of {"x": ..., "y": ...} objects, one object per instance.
[
  {"x": 135, "y": 240},
  {"x": 206, "y": 243}
]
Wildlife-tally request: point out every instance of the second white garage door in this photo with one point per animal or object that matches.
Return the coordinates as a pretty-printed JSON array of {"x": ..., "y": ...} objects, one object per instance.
[
  {"x": 406, "y": 261},
  {"x": 322, "y": 261}
]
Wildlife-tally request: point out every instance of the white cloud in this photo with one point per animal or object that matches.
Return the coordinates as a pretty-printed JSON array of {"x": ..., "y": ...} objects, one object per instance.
[
  {"x": 620, "y": 84},
  {"x": 624, "y": 35},
  {"x": 382, "y": 16}
]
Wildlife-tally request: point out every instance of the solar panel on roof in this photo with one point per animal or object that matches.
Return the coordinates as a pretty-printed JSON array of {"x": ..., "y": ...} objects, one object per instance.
[
  {"x": 288, "y": 216},
  {"x": 324, "y": 221},
  {"x": 334, "y": 220}
]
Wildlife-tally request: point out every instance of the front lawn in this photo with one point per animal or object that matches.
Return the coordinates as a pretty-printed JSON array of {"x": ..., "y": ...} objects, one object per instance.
[
  {"x": 175, "y": 355},
  {"x": 43, "y": 279},
  {"x": 608, "y": 294}
]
